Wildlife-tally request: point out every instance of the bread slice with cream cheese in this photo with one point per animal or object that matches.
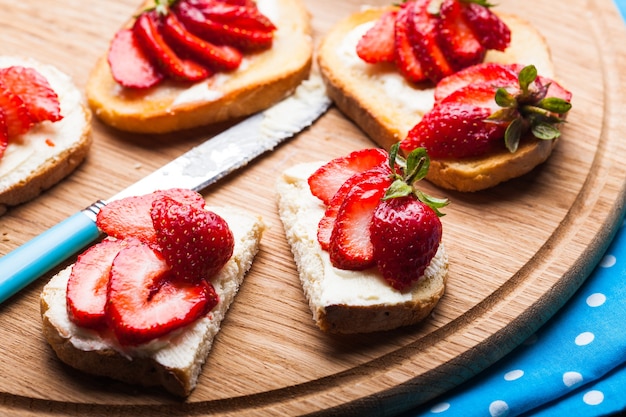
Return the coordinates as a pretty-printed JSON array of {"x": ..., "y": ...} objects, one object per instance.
[
  {"x": 386, "y": 106},
  {"x": 343, "y": 301},
  {"x": 49, "y": 152},
  {"x": 173, "y": 361},
  {"x": 262, "y": 79}
]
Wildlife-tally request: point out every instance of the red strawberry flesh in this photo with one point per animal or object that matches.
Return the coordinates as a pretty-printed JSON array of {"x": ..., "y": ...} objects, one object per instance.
[
  {"x": 40, "y": 99},
  {"x": 88, "y": 281},
  {"x": 130, "y": 216},
  {"x": 378, "y": 43},
  {"x": 328, "y": 179},
  {"x": 130, "y": 65},
  {"x": 145, "y": 304}
]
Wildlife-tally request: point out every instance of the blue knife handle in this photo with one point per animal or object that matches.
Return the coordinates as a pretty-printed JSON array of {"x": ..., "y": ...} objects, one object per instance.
[{"x": 44, "y": 252}]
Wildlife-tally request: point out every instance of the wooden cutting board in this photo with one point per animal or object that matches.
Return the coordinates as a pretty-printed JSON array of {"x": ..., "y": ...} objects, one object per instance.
[{"x": 517, "y": 252}]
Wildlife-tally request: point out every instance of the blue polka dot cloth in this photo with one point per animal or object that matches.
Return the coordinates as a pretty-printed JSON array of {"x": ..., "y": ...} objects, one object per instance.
[{"x": 575, "y": 365}]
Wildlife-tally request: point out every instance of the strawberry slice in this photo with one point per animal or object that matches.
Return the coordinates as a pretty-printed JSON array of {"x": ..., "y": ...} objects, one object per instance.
[
  {"x": 327, "y": 223},
  {"x": 406, "y": 60},
  {"x": 40, "y": 99},
  {"x": 457, "y": 40},
  {"x": 196, "y": 243},
  {"x": 130, "y": 66},
  {"x": 492, "y": 33},
  {"x": 327, "y": 179},
  {"x": 245, "y": 16},
  {"x": 423, "y": 35},
  {"x": 88, "y": 281},
  {"x": 130, "y": 216},
  {"x": 378, "y": 43},
  {"x": 148, "y": 33},
  {"x": 145, "y": 303},
  {"x": 218, "y": 57},
  {"x": 350, "y": 246},
  {"x": 17, "y": 118},
  {"x": 405, "y": 235},
  {"x": 497, "y": 75},
  {"x": 221, "y": 33}
]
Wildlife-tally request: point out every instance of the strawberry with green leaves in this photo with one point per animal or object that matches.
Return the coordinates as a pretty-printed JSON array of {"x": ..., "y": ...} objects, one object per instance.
[
  {"x": 378, "y": 218},
  {"x": 434, "y": 38},
  {"x": 489, "y": 107}
]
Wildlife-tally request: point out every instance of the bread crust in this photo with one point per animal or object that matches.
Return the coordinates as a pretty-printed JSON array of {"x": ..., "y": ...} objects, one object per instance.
[
  {"x": 357, "y": 91},
  {"x": 159, "y": 363},
  {"x": 363, "y": 310},
  {"x": 263, "y": 79},
  {"x": 50, "y": 169}
]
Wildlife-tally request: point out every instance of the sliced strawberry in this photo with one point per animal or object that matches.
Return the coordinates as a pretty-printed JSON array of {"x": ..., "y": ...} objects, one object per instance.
[
  {"x": 196, "y": 243},
  {"x": 244, "y": 16},
  {"x": 406, "y": 60},
  {"x": 88, "y": 281},
  {"x": 16, "y": 115},
  {"x": 218, "y": 57},
  {"x": 491, "y": 32},
  {"x": 327, "y": 223},
  {"x": 456, "y": 127},
  {"x": 145, "y": 303},
  {"x": 405, "y": 235},
  {"x": 40, "y": 99},
  {"x": 4, "y": 133},
  {"x": 148, "y": 34},
  {"x": 220, "y": 33},
  {"x": 497, "y": 75},
  {"x": 456, "y": 38},
  {"x": 130, "y": 65},
  {"x": 378, "y": 43},
  {"x": 327, "y": 179},
  {"x": 130, "y": 216},
  {"x": 423, "y": 35},
  {"x": 350, "y": 246}
]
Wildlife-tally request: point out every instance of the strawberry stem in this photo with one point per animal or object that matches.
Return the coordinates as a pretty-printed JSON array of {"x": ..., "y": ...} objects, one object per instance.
[{"x": 409, "y": 172}]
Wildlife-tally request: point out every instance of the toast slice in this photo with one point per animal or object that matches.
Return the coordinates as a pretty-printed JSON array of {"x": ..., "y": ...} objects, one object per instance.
[
  {"x": 50, "y": 151},
  {"x": 262, "y": 79},
  {"x": 174, "y": 361},
  {"x": 344, "y": 301},
  {"x": 385, "y": 106}
]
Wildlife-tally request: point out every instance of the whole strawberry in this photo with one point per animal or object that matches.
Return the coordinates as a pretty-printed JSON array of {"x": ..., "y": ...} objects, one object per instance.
[
  {"x": 405, "y": 230},
  {"x": 195, "y": 242},
  {"x": 489, "y": 107}
]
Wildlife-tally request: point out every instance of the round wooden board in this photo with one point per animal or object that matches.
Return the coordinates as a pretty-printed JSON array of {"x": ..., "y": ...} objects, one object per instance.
[{"x": 517, "y": 252}]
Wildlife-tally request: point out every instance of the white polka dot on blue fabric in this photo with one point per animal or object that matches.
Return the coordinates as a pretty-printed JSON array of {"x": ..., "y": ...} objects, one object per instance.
[
  {"x": 607, "y": 261},
  {"x": 572, "y": 378},
  {"x": 596, "y": 300},
  {"x": 584, "y": 338},
  {"x": 593, "y": 397},
  {"x": 440, "y": 408},
  {"x": 498, "y": 408},
  {"x": 513, "y": 375}
]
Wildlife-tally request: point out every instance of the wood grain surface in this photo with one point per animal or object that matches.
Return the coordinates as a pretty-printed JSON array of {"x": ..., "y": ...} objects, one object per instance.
[{"x": 517, "y": 252}]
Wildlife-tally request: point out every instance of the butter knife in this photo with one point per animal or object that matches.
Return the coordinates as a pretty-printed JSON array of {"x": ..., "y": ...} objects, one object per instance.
[{"x": 196, "y": 169}]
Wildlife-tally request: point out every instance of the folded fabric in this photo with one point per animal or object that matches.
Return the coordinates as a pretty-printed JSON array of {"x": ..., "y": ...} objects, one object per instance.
[{"x": 574, "y": 365}]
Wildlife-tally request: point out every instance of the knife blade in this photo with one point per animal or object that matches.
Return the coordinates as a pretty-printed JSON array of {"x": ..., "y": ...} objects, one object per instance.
[{"x": 196, "y": 169}]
